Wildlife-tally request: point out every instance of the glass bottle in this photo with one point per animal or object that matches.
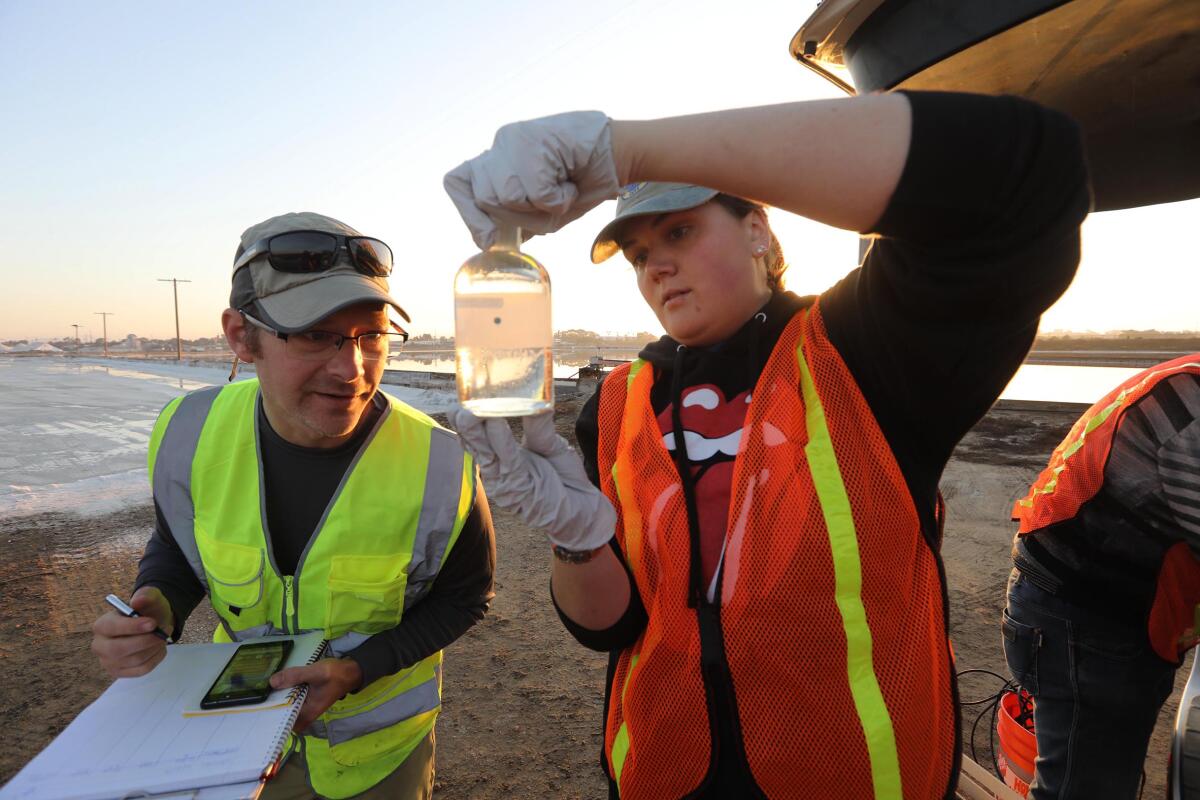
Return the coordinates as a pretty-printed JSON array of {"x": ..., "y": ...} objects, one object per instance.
[{"x": 502, "y": 334}]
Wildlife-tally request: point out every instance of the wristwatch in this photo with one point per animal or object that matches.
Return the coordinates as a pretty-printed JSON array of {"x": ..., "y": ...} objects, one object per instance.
[{"x": 576, "y": 556}]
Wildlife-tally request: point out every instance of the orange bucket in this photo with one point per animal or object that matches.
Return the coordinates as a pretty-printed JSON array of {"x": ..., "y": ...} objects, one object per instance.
[{"x": 1018, "y": 746}]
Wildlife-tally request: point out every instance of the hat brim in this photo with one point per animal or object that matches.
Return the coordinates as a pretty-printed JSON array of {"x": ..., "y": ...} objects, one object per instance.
[
  {"x": 606, "y": 246},
  {"x": 301, "y": 307}
]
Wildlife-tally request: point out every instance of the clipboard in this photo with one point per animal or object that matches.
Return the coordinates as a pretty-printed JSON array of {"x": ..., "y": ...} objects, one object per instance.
[{"x": 136, "y": 741}]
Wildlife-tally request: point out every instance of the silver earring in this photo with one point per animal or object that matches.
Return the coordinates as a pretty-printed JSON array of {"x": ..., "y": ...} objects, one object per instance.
[{"x": 758, "y": 251}]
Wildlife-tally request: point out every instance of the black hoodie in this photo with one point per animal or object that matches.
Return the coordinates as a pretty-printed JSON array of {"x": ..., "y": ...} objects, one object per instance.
[{"x": 980, "y": 237}]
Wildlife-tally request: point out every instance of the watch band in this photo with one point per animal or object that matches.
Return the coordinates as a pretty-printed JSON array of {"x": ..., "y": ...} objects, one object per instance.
[{"x": 575, "y": 556}]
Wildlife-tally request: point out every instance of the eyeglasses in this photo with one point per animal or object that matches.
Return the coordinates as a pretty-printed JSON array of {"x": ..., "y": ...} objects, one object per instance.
[
  {"x": 316, "y": 345},
  {"x": 316, "y": 251}
]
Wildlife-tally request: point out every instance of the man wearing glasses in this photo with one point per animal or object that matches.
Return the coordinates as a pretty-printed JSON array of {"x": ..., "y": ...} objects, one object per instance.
[{"x": 308, "y": 500}]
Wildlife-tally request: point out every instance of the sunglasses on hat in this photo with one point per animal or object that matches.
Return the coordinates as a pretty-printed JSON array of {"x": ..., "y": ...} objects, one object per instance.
[{"x": 303, "y": 252}]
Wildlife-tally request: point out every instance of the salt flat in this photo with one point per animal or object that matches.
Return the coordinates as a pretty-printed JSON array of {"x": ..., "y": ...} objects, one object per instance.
[{"x": 74, "y": 432}]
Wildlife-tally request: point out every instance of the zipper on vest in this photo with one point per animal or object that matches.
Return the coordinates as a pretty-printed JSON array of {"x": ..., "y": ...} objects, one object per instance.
[
  {"x": 289, "y": 608},
  {"x": 291, "y": 583}
]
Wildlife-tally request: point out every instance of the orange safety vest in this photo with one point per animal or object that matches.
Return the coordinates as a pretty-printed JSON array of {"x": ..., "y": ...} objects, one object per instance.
[
  {"x": 832, "y": 606},
  {"x": 1075, "y": 475}
]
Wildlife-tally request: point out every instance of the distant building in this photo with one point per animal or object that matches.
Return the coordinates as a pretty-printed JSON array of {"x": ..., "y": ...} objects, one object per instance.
[{"x": 130, "y": 343}]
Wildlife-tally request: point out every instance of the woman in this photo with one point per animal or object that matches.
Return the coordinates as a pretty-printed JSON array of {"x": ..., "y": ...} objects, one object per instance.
[{"x": 769, "y": 584}]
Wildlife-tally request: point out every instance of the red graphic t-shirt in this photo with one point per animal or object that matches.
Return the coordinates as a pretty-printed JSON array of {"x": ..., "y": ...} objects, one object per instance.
[{"x": 712, "y": 433}]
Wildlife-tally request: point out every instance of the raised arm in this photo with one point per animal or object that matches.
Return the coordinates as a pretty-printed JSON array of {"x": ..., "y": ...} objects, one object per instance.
[{"x": 833, "y": 161}]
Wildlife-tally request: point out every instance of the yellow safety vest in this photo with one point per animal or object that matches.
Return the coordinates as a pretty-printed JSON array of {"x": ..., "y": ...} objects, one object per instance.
[{"x": 385, "y": 534}]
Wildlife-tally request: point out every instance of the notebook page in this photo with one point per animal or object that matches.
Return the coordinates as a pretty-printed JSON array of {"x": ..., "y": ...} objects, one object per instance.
[{"x": 134, "y": 738}]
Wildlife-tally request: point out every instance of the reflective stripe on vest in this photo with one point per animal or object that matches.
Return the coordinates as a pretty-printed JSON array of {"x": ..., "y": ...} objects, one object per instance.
[
  {"x": 847, "y": 566},
  {"x": 830, "y": 596},
  {"x": 421, "y": 698},
  {"x": 1036, "y": 510},
  {"x": 377, "y": 550},
  {"x": 172, "y": 447},
  {"x": 620, "y": 747}
]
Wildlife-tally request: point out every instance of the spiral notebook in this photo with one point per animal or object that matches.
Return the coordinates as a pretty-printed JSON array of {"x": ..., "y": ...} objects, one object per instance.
[{"x": 147, "y": 736}]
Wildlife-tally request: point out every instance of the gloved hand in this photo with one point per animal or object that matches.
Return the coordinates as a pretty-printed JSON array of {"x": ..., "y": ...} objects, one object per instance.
[
  {"x": 539, "y": 175},
  {"x": 543, "y": 482}
]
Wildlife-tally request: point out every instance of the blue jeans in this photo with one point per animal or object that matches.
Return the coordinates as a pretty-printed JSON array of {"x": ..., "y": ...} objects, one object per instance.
[{"x": 1098, "y": 687}]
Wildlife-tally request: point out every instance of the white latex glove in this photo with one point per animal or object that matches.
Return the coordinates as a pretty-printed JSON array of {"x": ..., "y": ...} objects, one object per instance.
[
  {"x": 543, "y": 482},
  {"x": 538, "y": 175}
]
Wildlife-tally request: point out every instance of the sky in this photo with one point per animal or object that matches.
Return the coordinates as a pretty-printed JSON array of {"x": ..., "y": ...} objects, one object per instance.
[{"x": 138, "y": 140}]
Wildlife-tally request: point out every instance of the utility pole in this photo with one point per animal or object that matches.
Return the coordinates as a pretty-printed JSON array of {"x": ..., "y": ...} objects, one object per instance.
[
  {"x": 105, "y": 315},
  {"x": 178, "y": 342},
  {"x": 76, "y": 327}
]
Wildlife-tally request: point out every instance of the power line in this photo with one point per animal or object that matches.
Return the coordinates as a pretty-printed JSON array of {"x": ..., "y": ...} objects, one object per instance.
[
  {"x": 105, "y": 315},
  {"x": 175, "y": 286}
]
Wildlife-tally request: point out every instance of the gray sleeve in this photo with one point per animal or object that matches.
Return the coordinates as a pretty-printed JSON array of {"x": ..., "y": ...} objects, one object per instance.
[
  {"x": 1179, "y": 471},
  {"x": 1153, "y": 469}
]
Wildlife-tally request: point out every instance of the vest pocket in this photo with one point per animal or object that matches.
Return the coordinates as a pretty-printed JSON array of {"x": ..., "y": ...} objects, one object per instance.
[
  {"x": 366, "y": 593},
  {"x": 235, "y": 572}
]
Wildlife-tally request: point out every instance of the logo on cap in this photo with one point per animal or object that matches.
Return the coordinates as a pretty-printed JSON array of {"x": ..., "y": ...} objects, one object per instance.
[{"x": 630, "y": 189}]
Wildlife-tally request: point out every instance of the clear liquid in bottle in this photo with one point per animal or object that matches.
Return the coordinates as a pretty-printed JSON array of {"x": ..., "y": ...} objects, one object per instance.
[{"x": 502, "y": 333}]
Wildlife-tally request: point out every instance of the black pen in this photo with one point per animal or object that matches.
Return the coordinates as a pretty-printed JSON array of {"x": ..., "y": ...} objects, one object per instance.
[{"x": 126, "y": 610}]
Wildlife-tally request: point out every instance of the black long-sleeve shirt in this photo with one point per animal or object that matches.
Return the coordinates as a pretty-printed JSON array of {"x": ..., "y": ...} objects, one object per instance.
[
  {"x": 299, "y": 483},
  {"x": 979, "y": 238}
]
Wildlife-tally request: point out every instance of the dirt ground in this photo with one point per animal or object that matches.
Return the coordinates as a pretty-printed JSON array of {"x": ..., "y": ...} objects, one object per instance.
[{"x": 522, "y": 701}]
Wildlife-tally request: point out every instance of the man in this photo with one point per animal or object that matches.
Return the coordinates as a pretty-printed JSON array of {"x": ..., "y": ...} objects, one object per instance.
[
  {"x": 1103, "y": 602},
  {"x": 308, "y": 500}
]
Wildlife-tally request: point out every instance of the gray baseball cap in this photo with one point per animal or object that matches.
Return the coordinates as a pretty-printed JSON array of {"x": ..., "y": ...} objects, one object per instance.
[
  {"x": 649, "y": 197},
  {"x": 292, "y": 302}
]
